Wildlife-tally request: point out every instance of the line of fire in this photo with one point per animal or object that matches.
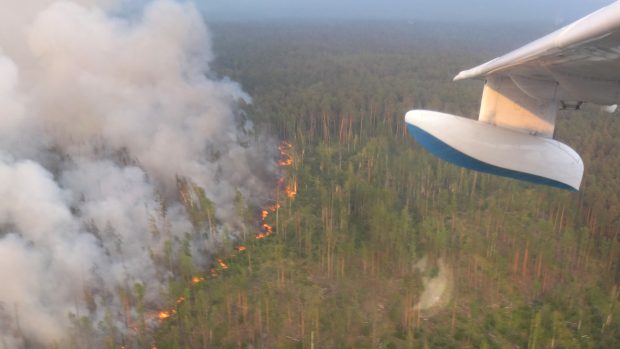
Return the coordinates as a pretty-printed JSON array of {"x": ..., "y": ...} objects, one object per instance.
[{"x": 284, "y": 185}]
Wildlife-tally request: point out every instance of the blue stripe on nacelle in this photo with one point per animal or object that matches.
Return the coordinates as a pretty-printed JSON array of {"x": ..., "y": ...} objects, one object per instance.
[{"x": 446, "y": 152}]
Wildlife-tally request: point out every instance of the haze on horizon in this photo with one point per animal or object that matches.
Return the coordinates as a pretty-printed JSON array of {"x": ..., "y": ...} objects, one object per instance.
[{"x": 547, "y": 11}]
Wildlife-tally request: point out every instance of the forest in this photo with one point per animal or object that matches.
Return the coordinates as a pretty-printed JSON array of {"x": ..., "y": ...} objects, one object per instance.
[{"x": 373, "y": 218}]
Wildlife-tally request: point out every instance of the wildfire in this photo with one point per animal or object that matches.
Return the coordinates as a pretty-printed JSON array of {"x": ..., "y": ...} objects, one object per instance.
[
  {"x": 285, "y": 158},
  {"x": 285, "y": 162},
  {"x": 197, "y": 280},
  {"x": 266, "y": 230},
  {"x": 222, "y": 264},
  {"x": 291, "y": 190},
  {"x": 164, "y": 314}
]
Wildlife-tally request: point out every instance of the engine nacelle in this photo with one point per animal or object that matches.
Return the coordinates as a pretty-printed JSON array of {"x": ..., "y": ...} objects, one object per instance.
[{"x": 487, "y": 148}]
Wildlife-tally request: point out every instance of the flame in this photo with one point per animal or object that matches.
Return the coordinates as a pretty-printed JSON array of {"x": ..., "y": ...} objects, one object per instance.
[
  {"x": 291, "y": 190},
  {"x": 286, "y": 162},
  {"x": 267, "y": 230},
  {"x": 222, "y": 264},
  {"x": 285, "y": 158},
  {"x": 164, "y": 314}
]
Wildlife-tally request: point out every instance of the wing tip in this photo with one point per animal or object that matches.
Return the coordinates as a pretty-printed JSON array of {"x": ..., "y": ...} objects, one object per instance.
[
  {"x": 459, "y": 76},
  {"x": 466, "y": 74}
]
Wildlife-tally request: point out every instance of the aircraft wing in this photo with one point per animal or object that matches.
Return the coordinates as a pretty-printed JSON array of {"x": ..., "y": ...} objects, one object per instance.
[
  {"x": 513, "y": 135},
  {"x": 583, "y": 58}
]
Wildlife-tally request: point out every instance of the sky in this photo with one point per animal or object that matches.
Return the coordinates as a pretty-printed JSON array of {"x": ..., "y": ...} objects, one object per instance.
[{"x": 550, "y": 11}]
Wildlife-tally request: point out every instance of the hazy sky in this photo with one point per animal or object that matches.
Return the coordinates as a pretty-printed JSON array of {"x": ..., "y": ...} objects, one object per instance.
[{"x": 556, "y": 11}]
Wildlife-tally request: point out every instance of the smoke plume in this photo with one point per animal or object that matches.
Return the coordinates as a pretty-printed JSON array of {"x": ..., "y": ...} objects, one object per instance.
[{"x": 102, "y": 117}]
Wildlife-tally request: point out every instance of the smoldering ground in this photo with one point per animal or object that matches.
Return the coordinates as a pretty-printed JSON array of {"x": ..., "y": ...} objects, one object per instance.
[{"x": 102, "y": 114}]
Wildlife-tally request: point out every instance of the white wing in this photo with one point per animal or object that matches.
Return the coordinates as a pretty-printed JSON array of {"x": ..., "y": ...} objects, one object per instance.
[
  {"x": 523, "y": 91},
  {"x": 587, "y": 49}
]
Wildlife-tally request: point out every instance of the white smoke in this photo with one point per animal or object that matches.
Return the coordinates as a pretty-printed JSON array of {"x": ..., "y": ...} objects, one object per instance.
[
  {"x": 437, "y": 286},
  {"x": 99, "y": 116}
]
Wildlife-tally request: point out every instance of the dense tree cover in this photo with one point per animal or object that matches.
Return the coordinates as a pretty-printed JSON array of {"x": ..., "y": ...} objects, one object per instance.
[{"x": 534, "y": 267}]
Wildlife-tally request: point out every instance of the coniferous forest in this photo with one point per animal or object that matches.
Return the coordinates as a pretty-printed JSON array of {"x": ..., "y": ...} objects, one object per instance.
[{"x": 376, "y": 219}]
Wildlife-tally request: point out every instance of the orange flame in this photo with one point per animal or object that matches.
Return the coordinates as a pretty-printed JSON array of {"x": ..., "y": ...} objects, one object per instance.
[
  {"x": 266, "y": 230},
  {"x": 222, "y": 264},
  {"x": 285, "y": 158},
  {"x": 286, "y": 162},
  {"x": 291, "y": 190},
  {"x": 164, "y": 314}
]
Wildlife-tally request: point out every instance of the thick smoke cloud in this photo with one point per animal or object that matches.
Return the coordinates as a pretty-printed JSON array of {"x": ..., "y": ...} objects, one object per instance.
[{"x": 101, "y": 114}]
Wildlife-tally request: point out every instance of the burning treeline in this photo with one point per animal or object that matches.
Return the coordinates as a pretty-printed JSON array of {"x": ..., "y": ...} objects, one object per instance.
[
  {"x": 284, "y": 184},
  {"x": 106, "y": 115}
]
